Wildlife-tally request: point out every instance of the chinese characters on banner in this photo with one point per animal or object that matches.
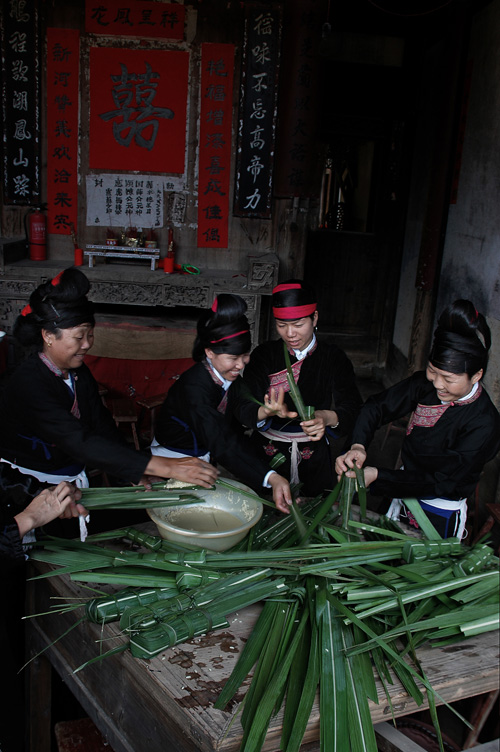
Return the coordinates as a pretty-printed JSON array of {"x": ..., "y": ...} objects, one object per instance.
[
  {"x": 138, "y": 18},
  {"x": 138, "y": 106},
  {"x": 216, "y": 114},
  {"x": 296, "y": 152},
  {"x": 257, "y": 126},
  {"x": 127, "y": 200},
  {"x": 21, "y": 103},
  {"x": 63, "y": 55}
]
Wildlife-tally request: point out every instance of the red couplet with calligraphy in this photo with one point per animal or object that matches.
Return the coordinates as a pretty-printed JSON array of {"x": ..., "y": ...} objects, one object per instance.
[
  {"x": 216, "y": 112},
  {"x": 63, "y": 56},
  {"x": 138, "y": 105},
  {"x": 136, "y": 18}
]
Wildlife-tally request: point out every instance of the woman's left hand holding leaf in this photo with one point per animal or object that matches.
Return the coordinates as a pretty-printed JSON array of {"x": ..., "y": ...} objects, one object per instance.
[{"x": 274, "y": 404}]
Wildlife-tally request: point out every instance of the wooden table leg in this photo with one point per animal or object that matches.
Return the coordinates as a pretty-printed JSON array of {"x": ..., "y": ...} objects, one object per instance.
[
  {"x": 482, "y": 708},
  {"x": 38, "y": 705}
]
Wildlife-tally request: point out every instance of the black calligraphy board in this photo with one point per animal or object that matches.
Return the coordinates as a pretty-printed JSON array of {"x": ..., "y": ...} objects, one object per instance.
[
  {"x": 258, "y": 111},
  {"x": 21, "y": 103}
]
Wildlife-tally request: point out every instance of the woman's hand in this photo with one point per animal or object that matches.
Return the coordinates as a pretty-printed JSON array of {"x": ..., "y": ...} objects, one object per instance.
[
  {"x": 57, "y": 501},
  {"x": 371, "y": 474},
  {"x": 274, "y": 404},
  {"x": 190, "y": 470},
  {"x": 345, "y": 462},
  {"x": 282, "y": 495},
  {"x": 314, "y": 428}
]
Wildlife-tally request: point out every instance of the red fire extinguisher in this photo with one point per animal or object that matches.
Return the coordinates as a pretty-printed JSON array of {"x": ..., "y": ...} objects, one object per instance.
[{"x": 37, "y": 235}]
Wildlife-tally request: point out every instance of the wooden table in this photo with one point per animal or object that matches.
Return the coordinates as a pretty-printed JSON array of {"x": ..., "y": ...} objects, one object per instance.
[
  {"x": 166, "y": 704},
  {"x": 123, "y": 252}
]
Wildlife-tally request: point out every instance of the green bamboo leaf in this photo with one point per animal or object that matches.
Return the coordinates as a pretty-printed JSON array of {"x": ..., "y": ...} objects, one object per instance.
[
  {"x": 426, "y": 592},
  {"x": 365, "y": 527},
  {"x": 425, "y": 525},
  {"x": 324, "y": 509},
  {"x": 360, "y": 480},
  {"x": 249, "y": 655},
  {"x": 306, "y": 412},
  {"x": 302, "y": 528},
  {"x": 101, "y": 657},
  {"x": 296, "y": 678},
  {"x": 265, "y": 667},
  {"x": 126, "y": 578},
  {"x": 257, "y": 732},
  {"x": 361, "y": 733},
  {"x": 484, "y": 624},
  {"x": 363, "y": 667},
  {"x": 291, "y": 739}
]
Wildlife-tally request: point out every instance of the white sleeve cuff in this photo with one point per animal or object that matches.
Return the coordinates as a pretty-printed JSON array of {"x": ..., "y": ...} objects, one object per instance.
[{"x": 265, "y": 482}]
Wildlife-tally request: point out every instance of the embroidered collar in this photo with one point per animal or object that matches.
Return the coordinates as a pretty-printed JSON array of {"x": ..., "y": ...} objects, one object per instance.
[
  {"x": 224, "y": 383},
  {"x": 427, "y": 416},
  {"x": 51, "y": 366},
  {"x": 468, "y": 397}
]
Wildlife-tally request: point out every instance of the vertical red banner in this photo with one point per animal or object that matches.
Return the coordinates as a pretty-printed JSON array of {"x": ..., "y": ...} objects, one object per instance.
[
  {"x": 216, "y": 115},
  {"x": 63, "y": 55}
]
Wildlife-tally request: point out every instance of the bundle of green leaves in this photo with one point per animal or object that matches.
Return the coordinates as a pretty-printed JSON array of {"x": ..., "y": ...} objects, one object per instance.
[{"x": 346, "y": 600}]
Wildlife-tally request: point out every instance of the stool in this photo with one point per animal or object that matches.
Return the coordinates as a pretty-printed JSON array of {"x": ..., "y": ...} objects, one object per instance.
[
  {"x": 103, "y": 390},
  {"x": 123, "y": 411},
  {"x": 80, "y": 736},
  {"x": 151, "y": 403}
]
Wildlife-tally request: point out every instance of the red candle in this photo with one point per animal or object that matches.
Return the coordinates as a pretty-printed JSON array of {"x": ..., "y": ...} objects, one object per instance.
[
  {"x": 168, "y": 262},
  {"x": 78, "y": 256}
]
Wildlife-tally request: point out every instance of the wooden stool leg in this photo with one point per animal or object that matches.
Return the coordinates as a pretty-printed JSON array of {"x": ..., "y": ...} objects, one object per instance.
[
  {"x": 152, "y": 431},
  {"x": 134, "y": 434}
]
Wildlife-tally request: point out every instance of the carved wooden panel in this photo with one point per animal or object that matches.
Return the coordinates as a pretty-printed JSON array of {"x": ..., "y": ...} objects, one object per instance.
[{"x": 126, "y": 293}]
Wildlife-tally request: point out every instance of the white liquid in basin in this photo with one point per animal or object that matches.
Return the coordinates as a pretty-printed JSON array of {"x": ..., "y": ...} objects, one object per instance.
[{"x": 204, "y": 520}]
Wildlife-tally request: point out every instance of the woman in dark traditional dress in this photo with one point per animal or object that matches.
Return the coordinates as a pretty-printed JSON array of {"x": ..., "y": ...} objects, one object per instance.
[
  {"x": 325, "y": 377},
  {"x": 53, "y": 420},
  {"x": 454, "y": 428},
  {"x": 204, "y": 411}
]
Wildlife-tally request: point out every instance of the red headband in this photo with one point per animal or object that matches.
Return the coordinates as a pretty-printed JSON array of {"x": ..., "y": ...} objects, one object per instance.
[
  {"x": 54, "y": 282},
  {"x": 229, "y": 336},
  {"x": 214, "y": 306},
  {"x": 289, "y": 286},
  {"x": 294, "y": 312}
]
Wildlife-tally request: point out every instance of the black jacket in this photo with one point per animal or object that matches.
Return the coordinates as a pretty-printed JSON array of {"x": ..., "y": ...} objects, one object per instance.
[
  {"x": 193, "y": 399},
  {"x": 326, "y": 381},
  {"x": 442, "y": 461},
  {"x": 39, "y": 432}
]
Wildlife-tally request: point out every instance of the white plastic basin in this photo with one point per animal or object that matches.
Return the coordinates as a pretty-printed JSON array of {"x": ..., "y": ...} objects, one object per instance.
[{"x": 218, "y": 523}]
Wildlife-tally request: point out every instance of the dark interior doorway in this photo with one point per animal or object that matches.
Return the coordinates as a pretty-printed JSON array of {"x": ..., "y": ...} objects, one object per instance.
[{"x": 371, "y": 57}]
